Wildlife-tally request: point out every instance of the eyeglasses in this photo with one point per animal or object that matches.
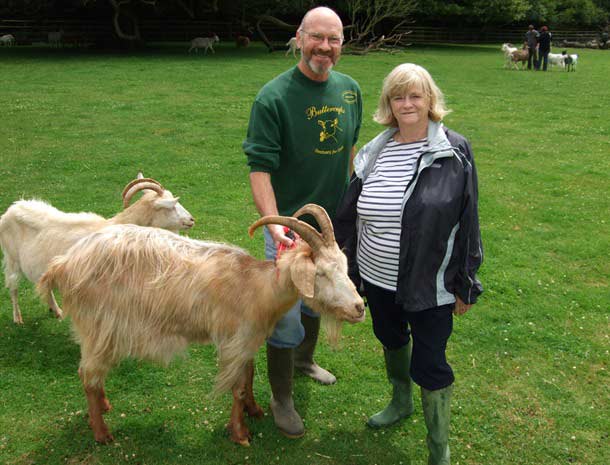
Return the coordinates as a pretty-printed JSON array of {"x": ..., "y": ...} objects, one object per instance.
[{"x": 318, "y": 38}]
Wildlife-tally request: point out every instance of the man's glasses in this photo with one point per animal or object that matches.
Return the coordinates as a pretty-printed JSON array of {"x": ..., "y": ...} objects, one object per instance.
[{"x": 318, "y": 38}]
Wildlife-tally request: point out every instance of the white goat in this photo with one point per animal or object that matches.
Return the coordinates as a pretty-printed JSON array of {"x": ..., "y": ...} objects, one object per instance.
[
  {"x": 205, "y": 43},
  {"x": 7, "y": 40},
  {"x": 292, "y": 47},
  {"x": 508, "y": 50},
  {"x": 32, "y": 232},
  {"x": 55, "y": 38},
  {"x": 148, "y": 293},
  {"x": 556, "y": 59}
]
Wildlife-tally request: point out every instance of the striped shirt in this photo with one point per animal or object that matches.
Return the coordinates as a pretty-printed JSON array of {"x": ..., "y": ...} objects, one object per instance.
[{"x": 380, "y": 209}]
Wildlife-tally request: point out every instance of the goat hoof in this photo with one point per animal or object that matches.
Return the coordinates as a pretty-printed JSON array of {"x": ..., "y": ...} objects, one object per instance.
[{"x": 103, "y": 437}]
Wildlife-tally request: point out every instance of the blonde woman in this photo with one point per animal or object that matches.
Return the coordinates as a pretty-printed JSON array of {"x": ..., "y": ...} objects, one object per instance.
[{"x": 409, "y": 225}]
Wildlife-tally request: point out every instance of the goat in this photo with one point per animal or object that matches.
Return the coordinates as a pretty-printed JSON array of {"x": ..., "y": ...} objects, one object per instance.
[
  {"x": 148, "y": 293},
  {"x": 520, "y": 56},
  {"x": 32, "y": 232},
  {"x": 508, "y": 49},
  {"x": 242, "y": 41},
  {"x": 205, "y": 43},
  {"x": 556, "y": 59},
  {"x": 292, "y": 47},
  {"x": 55, "y": 38},
  {"x": 569, "y": 60},
  {"x": 7, "y": 40}
]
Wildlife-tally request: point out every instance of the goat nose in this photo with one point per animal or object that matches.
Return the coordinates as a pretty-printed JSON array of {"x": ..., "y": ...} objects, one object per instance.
[{"x": 360, "y": 308}]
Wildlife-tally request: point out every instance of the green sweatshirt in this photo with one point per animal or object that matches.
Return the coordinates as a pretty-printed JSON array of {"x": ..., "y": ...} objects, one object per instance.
[{"x": 302, "y": 132}]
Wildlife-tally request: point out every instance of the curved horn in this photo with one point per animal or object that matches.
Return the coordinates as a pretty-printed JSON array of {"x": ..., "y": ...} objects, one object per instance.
[
  {"x": 307, "y": 232},
  {"x": 139, "y": 184},
  {"x": 326, "y": 225}
]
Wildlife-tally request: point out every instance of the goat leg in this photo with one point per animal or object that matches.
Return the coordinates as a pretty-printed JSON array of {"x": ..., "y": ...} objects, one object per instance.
[
  {"x": 251, "y": 407},
  {"x": 54, "y": 307},
  {"x": 17, "y": 318},
  {"x": 237, "y": 427},
  {"x": 96, "y": 409}
]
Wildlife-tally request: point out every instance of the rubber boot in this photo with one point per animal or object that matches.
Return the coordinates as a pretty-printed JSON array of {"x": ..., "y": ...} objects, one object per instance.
[
  {"x": 280, "y": 368},
  {"x": 303, "y": 355},
  {"x": 436, "y": 405},
  {"x": 397, "y": 364}
]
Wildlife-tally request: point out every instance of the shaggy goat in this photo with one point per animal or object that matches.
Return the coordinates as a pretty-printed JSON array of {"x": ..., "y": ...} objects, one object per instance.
[
  {"x": 520, "y": 56},
  {"x": 508, "y": 49},
  {"x": 148, "y": 293},
  {"x": 205, "y": 43},
  {"x": 292, "y": 47},
  {"x": 32, "y": 232}
]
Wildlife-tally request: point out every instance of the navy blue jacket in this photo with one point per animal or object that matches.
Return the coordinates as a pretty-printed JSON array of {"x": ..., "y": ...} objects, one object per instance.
[{"x": 440, "y": 244}]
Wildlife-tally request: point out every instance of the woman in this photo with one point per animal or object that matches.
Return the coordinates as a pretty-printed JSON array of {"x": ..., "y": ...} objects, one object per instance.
[
  {"x": 409, "y": 226},
  {"x": 544, "y": 48}
]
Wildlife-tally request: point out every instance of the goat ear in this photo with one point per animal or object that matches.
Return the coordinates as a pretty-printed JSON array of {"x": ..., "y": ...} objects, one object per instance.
[
  {"x": 303, "y": 273},
  {"x": 166, "y": 203}
]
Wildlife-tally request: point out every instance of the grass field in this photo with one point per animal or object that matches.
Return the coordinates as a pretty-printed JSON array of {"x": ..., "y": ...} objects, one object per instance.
[{"x": 531, "y": 358}]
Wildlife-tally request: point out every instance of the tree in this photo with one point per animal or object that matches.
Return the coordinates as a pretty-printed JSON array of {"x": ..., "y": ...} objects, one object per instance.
[{"x": 369, "y": 18}]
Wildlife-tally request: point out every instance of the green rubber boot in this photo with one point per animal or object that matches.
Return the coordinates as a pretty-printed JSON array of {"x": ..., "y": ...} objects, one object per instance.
[
  {"x": 280, "y": 367},
  {"x": 436, "y": 405},
  {"x": 303, "y": 354},
  {"x": 397, "y": 364}
]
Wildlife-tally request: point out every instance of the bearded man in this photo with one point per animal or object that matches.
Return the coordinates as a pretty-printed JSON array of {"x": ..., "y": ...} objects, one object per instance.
[{"x": 301, "y": 139}]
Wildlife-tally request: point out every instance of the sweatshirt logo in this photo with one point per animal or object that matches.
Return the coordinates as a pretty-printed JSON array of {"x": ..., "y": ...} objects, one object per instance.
[
  {"x": 349, "y": 96},
  {"x": 329, "y": 129}
]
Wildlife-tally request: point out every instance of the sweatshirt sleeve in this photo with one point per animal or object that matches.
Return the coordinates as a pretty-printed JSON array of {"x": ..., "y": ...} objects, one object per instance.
[{"x": 263, "y": 141}]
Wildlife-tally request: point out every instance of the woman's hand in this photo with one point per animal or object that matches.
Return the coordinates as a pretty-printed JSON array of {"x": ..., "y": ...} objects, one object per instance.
[{"x": 460, "y": 307}]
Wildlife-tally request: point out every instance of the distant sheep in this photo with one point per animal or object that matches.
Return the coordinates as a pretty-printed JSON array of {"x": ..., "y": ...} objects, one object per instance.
[
  {"x": 206, "y": 43},
  {"x": 32, "y": 232},
  {"x": 556, "y": 59},
  {"x": 570, "y": 61},
  {"x": 55, "y": 38},
  {"x": 292, "y": 47},
  {"x": 147, "y": 293},
  {"x": 7, "y": 40}
]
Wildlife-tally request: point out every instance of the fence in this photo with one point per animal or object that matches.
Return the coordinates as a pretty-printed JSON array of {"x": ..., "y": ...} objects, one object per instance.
[{"x": 168, "y": 30}]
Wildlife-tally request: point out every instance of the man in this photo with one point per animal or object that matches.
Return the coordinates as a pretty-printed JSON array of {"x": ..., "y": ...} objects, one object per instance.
[
  {"x": 544, "y": 48},
  {"x": 303, "y": 127},
  {"x": 531, "y": 37}
]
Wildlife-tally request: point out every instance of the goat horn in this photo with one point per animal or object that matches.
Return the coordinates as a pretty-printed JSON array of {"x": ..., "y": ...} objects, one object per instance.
[
  {"x": 328, "y": 233},
  {"x": 137, "y": 185},
  {"x": 307, "y": 232}
]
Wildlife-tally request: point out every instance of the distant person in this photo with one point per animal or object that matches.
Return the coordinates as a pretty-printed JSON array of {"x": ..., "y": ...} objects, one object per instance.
[
  {"x": 531, "y": 37},
  {"x": 544, "y": 48},
  {"x": 603, "y": 38}
]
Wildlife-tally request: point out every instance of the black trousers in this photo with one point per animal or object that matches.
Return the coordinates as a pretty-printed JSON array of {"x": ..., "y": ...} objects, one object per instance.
[{"x": 430, "y": 330}]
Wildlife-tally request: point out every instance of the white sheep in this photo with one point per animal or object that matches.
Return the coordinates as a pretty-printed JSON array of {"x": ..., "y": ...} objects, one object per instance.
[
  {"x": 556, "y": 59},
  {"x": 55, "y": 38},
  {"x": 7, "y": 40},
  {"x": 32, "y": 232},
  {"x": 292, "y": 47},
  {"x": 147, "y": 293},
  {"x": 508, "y": 50},
  {"x": 205, "y": 43}
]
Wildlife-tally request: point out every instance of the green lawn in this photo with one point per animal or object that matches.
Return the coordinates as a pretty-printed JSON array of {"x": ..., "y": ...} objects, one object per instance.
[{"x": 531, "y": 358}]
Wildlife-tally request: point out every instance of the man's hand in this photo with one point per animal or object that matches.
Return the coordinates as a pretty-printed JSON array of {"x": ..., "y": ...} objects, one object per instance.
[
  {"x": 460, "y": 307},
  {"x": 278, "y": 235}
]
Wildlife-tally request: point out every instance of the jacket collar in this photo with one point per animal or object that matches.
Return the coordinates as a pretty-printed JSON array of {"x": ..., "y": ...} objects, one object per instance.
[{"x": 366, "y": 156}]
